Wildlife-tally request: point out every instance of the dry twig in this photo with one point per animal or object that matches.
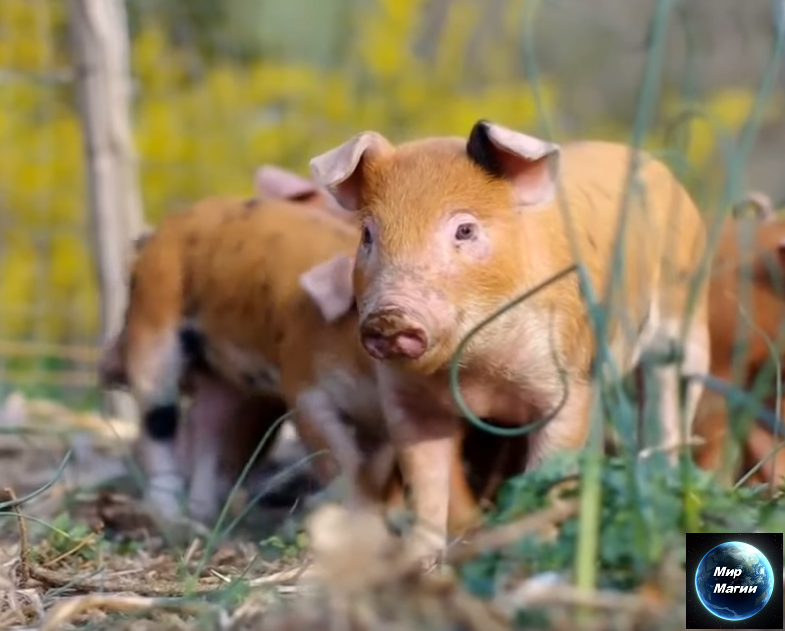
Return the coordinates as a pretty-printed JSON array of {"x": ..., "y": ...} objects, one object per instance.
[
  {"x": 24, "y": 549},
  {"x": 152, "y": 587},
  {"x": 66, "y": 610},
  {"x": 290, "y": 575},
  {"x": 146, "y": 587},
  {"x": 512, "y": 532},
  {"x": 527, "y": 595}
]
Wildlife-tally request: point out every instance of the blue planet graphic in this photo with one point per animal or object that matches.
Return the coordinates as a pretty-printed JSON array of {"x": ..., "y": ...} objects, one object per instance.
[{"x": 734, "y": 580}]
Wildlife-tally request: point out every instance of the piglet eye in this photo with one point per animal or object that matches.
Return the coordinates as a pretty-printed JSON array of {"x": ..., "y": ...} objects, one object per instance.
[
  {"x": 367, "y": 238},
  {"x": 466, "y": 232}
]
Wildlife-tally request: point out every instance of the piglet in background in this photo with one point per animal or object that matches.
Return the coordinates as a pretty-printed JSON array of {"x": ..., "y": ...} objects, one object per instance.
[
  {"x": 453, "y": 228},
  {"x": 222, "y": 421},
  {"x": 222, "y": 428},
  {"x": 747, "y": 314}
]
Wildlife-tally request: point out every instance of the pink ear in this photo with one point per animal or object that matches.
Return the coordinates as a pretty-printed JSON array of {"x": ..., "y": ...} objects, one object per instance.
[
  {"x": 277, "y": 183},
  {"x": 530, "y": 164},
  {"x": 340, "y": 171},
  {"x": 329, "y": 285}
]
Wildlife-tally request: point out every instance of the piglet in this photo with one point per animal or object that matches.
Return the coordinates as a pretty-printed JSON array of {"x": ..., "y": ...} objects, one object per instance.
[
  {"x": 747, "y": 310},
  {"x": 451, "y": 229},
  {"x": 223, "y": 428},
  {"x": 216, "y": 405}
]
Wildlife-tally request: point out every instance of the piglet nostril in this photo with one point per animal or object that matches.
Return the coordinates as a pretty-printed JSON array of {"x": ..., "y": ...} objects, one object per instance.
[{"x": 409, "y": 343}]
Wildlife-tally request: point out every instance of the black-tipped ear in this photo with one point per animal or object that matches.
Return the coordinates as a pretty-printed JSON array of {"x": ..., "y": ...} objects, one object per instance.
[
  {"x": 528, "y": 163},
  {"x": 481, "y": 151}
]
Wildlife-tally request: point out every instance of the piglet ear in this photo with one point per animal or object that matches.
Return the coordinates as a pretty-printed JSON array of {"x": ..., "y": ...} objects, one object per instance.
[
  {"x": 340, "y": 169},
  {"x": 530, "y": 164},
  {"x": 329, "y": 285},
  {"x": 277, "y": 183},
  {"x": 760, "y": 203}
]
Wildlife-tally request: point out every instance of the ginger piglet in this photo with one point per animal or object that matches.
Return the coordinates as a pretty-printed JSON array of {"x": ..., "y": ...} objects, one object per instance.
[{"x": 451, "y": 229}]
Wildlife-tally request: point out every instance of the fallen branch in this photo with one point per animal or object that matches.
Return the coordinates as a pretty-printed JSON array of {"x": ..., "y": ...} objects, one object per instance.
[
  {"x": 24, "y": 549},
  {"x": 285, "y": 576},
  {"x": 146, "y": 587},
  {"x": 510, "y": 533},
  {"x": 527, "y": 595},
  {"x": 66, "y": 610},
  {"x": 150, "y": 587}
]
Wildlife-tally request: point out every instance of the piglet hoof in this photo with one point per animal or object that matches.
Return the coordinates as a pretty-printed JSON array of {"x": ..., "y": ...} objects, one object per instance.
[
  {"x": 426, "y": 548},
  {"x": 203, "y": 510},
  {"x": 430, "y": 564},
  {"x": 163, "y": 495}
]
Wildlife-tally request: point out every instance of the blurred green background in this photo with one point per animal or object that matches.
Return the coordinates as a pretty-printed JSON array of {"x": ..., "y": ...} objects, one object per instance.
[{"x": 220, "y": 87}]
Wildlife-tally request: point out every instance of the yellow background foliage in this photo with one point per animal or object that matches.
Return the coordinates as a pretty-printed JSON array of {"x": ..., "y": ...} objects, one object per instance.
[{"x": 206, "y": 134}]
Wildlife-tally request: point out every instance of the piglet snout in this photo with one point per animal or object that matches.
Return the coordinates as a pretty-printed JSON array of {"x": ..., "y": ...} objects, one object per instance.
[{"x": 390, "y": 335}]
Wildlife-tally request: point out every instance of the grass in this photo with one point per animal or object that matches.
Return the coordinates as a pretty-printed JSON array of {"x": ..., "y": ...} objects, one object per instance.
[{"x": 97, "y": 560}]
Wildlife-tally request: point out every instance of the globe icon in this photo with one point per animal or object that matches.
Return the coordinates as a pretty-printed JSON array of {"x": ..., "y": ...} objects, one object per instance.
[{"x": 724, "y": 578}]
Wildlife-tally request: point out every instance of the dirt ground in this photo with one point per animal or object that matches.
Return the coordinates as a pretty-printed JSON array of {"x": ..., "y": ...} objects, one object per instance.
[{"x": 78, "y": 550}]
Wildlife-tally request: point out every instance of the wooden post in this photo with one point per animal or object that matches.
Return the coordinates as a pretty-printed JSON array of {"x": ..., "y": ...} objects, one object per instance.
[{"x": 99, "y": 37}]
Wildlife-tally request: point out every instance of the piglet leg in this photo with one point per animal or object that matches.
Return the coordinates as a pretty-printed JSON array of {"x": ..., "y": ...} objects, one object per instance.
[
  {"x": 211, "y": 415},
  {"x": 321, "y": 428},
  {"x": 696, "y": 362},
  {"x": 155, "y": 364},
  {"x": 464, "y": 513},
  {"x": 425, "y": 442},
  {"x": 425, "y": 451}
]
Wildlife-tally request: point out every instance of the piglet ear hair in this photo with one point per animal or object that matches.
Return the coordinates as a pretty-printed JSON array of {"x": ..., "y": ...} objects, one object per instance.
[
  {"x": 530, "y": 164},
  {"x": 340, "y": 170},
  {"x": 276, "y": 183},
  {"x": 329, "y": 285}
]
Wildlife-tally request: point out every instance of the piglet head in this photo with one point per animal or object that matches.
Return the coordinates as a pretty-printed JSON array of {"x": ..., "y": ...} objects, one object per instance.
[{"x": 439, "y": 246}]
